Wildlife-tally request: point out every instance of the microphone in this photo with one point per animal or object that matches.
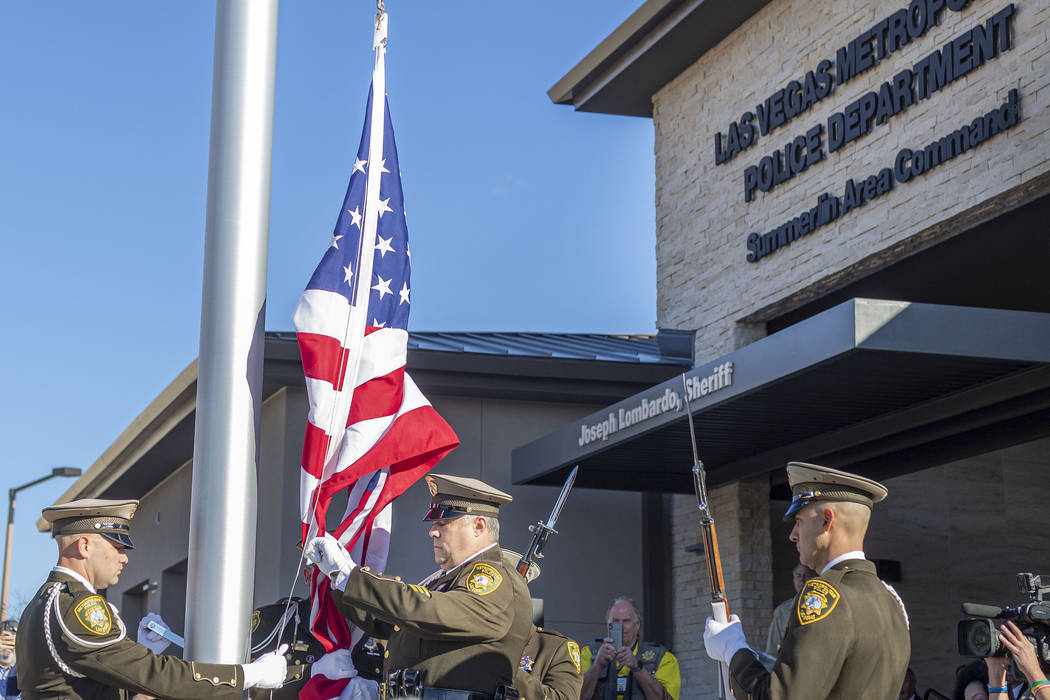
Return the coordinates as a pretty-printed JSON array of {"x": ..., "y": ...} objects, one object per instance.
[{"x": 978, "y": 610}]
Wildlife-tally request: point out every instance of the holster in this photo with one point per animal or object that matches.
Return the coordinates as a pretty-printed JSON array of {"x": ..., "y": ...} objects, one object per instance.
[{"x": 404, "y": 682}]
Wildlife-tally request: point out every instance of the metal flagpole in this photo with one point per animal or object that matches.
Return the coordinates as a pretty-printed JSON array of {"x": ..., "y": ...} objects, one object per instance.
[{"x": 221, "y": 567}]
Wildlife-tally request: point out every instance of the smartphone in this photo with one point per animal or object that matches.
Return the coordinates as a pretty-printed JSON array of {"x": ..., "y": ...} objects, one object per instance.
[{"x": 616, "y": 632}]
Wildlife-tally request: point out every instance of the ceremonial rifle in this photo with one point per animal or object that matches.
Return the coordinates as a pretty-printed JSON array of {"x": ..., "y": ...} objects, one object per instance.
[
  {"x": 541, "y": 531},
  {"x": 719, "y": 602}
]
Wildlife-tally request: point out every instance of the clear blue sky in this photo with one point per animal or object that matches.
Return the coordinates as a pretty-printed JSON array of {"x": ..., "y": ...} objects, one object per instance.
[{"x": 523, "y": 215}]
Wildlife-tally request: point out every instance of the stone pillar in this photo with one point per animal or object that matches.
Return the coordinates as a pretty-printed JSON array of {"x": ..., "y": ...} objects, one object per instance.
[{"x": 741, "y": 512}]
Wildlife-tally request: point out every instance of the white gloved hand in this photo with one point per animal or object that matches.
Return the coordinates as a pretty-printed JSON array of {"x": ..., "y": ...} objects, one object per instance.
[
  {"x": 724, "y": 639},
  {"x": 331, "y": 558},
  {"x": 150, "y": 639},
  {"x": 268, "y": 671},
  {"x": 336, "y": 664}
]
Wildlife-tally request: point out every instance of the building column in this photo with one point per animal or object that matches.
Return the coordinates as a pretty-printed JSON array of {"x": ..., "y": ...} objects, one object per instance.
[{"x": 741, "y": 513}]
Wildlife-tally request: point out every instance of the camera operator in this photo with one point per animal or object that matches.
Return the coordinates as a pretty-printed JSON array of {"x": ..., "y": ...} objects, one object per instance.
[{"x": 1024, "y": 656}]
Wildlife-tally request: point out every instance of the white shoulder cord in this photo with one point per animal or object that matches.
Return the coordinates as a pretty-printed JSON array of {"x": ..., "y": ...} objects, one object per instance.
[
  {"x": 49, "y": 606},
  {"x": 289, "y": 613},
  {"x": 907, "y": 622}
]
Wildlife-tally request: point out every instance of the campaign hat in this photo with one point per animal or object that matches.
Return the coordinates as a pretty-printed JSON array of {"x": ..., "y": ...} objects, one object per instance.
[
  {"x": 811, "y": 483},
  {"x": 109, "y": 518},
  {"x": 455, "y": 496}
]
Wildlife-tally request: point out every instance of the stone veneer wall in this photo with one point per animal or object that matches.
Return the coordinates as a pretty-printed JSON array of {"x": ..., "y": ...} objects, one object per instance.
[{"x": 702, "y": 221}]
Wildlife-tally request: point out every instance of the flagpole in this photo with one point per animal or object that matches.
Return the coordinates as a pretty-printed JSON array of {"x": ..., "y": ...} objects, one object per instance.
[{"x": 221, "y": 566}]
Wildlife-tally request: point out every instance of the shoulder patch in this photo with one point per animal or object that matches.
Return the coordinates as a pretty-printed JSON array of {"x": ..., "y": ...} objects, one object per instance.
[
  {"x": 93, "y": 614},
  {"x": 256, "y": 620},
  {"x": 483, "y": 579},
  {"x": 419, "y": 589},
  {"x": 816, "y": 601},
  {"x": 574, "y": 654}
]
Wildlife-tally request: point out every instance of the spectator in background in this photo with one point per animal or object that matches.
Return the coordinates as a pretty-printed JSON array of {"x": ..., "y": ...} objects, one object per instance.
[
  {"x": 782, "y": 613},
  {"x": 971, "y": 682},
  {"x": 636, "y": 671},
  {"x": 8, "y": 674},
  {"x": 908, "y": 691}
]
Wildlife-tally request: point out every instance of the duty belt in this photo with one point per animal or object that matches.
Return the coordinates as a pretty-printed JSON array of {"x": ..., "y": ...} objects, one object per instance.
[
  {"x": 451, "y": 694},
  {"x": 408, "y": 683}
]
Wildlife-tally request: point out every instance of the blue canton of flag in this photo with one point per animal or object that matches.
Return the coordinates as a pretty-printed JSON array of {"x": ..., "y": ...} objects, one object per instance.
[{"x": 390, "y": 286}]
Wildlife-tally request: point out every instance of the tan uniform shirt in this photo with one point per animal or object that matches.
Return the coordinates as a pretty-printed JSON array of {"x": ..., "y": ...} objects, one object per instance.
[
  {"x": 466, "y": 630},
  {"x": 550, "y": 667},
  {"x": 90, "y": 639},
  {"x": 848, "y": 639}
]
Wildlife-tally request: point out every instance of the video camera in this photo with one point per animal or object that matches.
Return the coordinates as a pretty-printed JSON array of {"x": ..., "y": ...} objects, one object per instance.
[{"x": 978, "y": 636}]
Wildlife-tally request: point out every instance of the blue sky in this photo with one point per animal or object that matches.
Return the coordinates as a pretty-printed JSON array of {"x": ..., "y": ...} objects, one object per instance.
[{"x": 523, "y": 215}]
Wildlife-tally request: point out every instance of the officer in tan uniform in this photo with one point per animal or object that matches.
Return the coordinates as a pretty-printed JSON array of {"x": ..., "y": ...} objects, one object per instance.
[
  {"x": 848, "y": 637},
  {"x": 72, "y": 644},
  {"x": 463, "y": 629},
  {"x": 550, "y": 663}
]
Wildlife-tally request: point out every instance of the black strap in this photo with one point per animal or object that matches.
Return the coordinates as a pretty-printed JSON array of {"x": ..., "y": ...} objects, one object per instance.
[{"x": 452, "y": 694}]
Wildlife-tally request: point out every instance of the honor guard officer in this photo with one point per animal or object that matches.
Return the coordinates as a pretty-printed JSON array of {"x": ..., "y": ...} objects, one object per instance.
[
  {"x": 73, "y": 645},
  {"x": 550, "y": 663},
  {"x": 848, "y": 637},
  {"x": 459, "y": 635}
]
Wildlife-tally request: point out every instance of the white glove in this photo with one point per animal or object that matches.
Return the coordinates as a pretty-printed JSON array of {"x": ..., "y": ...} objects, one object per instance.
[
  {"x": 150, "y": 639},
  {"x": 268, "y": 671},
  {"x": 724, "y": 639},
  {"x": 331, "y": 558},
  {"x": 336, "y": 664}
]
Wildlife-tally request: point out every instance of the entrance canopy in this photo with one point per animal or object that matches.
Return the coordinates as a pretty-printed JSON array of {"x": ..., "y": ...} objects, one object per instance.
[{"x": 878, "y": 387}]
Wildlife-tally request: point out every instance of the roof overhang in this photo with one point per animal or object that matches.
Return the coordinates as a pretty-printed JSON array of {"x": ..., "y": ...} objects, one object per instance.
[
  {"x": 656, "y": 43},
  {"x": 880, "y": 387},
  {"x": 555, "y": 368}
]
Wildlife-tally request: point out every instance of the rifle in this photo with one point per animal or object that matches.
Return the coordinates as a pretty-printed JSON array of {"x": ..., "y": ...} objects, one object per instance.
[
  {"x": 541, "y": 531},
  {"x": 719, "y": 602}
]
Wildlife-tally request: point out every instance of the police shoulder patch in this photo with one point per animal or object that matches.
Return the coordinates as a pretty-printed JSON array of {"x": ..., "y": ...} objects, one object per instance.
[
  {"x": 93, "y": 614},
  {"x": 816, "y": 601},
  {"x": 574, "y": 654},
  {"x": 483, "y": 579},
  {"x": 256, "y": 619}
]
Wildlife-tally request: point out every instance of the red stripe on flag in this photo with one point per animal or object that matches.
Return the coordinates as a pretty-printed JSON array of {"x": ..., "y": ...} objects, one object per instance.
[
  {"x": 378, "y": 397},
  {"x": 315, "y": 447},
  {"x": 324, "y": 358}
]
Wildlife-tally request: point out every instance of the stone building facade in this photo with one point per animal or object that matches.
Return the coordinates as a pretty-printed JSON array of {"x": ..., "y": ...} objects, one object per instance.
[{"x": 811, "y": 152}]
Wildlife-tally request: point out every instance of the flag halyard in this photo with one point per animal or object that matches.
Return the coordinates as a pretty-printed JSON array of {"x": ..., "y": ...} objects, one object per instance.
[{"x": 370, "y": 429}]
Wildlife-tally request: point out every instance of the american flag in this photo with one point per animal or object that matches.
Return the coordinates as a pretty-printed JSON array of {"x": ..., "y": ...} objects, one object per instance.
[{"x": 369, "y": 430}]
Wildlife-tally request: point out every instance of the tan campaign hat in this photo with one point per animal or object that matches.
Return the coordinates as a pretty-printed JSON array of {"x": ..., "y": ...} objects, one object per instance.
[
  {"x": 511, "y": 559},
  {"x": 811, "y": 483},
  {"x": 111, "y": 519},
  {"x": 453, "y": 496}
]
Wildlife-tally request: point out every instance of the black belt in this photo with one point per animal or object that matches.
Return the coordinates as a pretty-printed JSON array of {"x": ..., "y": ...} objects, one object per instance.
[{"x": 452, "y": 694}]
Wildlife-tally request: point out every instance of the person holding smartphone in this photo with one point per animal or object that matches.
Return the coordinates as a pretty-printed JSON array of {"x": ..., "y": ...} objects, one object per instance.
[{"x": 623, "y": 667}]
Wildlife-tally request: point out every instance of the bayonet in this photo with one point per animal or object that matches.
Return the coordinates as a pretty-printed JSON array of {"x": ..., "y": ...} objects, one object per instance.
[{"x": 541, "y": 531}]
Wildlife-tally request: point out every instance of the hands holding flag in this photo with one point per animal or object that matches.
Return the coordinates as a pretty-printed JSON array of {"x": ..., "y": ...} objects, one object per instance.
[{"x": 331, "y": 559}]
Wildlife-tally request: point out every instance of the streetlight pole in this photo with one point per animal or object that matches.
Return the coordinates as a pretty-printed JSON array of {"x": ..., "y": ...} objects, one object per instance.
[{"x": 57, "y": 471}]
